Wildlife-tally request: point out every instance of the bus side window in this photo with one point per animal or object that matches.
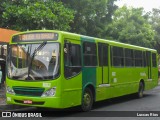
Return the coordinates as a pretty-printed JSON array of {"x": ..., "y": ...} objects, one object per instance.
[
  {"x": 154, "y": 60},
  {"x": 72, "y": 60},
  {"x": 129, "y": 57},
  {"x": 138, "y": 57},
  {"x": 117, "y": 56},
  {"x": 90, "y": 54}
]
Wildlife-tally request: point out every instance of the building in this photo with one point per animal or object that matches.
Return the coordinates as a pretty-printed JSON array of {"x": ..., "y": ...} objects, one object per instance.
[{"x": 5, "y": 36}]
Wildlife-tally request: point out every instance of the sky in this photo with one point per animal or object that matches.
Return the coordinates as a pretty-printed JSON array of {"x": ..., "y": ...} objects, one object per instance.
[{"x": 146, "y": 4}]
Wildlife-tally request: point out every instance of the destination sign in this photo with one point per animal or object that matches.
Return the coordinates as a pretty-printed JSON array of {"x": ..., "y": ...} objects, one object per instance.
[{"x": 40, "y": 36}]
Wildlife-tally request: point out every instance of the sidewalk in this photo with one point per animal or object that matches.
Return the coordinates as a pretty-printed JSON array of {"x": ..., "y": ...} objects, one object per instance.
[{"x": 2, "y": 96}]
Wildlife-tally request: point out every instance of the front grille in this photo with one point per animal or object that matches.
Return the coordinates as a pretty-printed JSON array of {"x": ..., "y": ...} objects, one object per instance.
[{"x": 28, "y": 91}]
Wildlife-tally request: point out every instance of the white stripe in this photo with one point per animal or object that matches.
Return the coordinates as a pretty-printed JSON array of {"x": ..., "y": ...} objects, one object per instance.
[{"x": 104, "y": 85}]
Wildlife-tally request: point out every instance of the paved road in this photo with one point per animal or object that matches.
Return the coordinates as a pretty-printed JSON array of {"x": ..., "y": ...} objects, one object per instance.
[{"x": 150, "y": 103}]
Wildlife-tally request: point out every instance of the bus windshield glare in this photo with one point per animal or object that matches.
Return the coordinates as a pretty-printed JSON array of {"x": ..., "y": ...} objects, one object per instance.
[{"x": 34, "y": 61}]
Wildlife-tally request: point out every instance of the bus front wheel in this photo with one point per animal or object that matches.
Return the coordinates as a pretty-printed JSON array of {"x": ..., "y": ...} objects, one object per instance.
[
  {"x": 140, "y": 90},
  {"x": 87, "y": 100}
]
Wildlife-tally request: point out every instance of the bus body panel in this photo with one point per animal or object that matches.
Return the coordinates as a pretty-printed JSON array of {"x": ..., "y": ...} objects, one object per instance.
[
  {"x": 27, "y": 88},
  {"x": 88, "y": 72},
  {"x": 107, "y": 81},
  {"x": 72, "y": 86}
]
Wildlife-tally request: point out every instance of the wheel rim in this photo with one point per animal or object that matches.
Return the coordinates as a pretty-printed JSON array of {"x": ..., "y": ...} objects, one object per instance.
[
  {"x": 141, "y": 91},
  {"x": 87, "y": 99}
]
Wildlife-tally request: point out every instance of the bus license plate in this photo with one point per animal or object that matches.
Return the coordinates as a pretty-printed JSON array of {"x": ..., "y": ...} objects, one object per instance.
[{"x": 27, "y": 101}]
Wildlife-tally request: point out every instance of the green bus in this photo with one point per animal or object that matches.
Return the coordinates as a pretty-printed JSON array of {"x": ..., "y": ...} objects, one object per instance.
[{"x": 57, "y": 69}]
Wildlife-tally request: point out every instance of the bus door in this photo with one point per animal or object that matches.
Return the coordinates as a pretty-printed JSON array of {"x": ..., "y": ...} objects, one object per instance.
[
  {"x": 103, "y": 62},
  {"x": 149, "y": 65}
]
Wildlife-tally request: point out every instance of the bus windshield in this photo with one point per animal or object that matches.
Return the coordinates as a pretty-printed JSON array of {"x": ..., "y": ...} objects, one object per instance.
[{"x": 33, "y": 61}]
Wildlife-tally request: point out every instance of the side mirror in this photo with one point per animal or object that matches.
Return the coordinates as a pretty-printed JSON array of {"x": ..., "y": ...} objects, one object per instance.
[{"x": 67, "y": 53}]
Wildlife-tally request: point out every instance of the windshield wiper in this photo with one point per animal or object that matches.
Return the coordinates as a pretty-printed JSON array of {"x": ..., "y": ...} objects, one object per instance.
[{"x": 32, "y": 57}]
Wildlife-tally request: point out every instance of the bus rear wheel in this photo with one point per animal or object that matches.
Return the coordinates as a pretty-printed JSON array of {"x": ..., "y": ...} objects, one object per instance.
[
  {"x": 140, "y": 90},
  {"x": 87, "y": 100}
]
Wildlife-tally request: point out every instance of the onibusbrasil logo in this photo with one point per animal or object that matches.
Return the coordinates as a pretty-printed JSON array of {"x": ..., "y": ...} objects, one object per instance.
[{"x": 18, "y": 114}]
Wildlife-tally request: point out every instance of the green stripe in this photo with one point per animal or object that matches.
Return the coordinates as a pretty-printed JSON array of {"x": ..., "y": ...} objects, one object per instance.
[{"x": 88, "y": 73}]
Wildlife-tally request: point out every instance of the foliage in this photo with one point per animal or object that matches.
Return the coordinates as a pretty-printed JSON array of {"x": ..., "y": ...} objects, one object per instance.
[
  {"x": 91, "y": 16},
  {"x": 95, "y": 18},
  {"x": 87, "y": 17},
  {"x": 35, "y": 14},
  {"x": 155, "y": 22},
  {"x": 130, "y": 25}
]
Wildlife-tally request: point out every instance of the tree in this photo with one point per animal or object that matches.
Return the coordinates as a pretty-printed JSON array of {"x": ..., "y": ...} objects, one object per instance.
[
  {"x": 155, "y": 22},
  {"x": 130, "y": 25},
  {"x": 91, "y": 16},
  {"x": 35, "y": 14}
]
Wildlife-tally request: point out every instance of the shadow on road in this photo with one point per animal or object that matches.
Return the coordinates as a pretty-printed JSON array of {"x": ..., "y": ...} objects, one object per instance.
[{"x": 118, "y": 100}]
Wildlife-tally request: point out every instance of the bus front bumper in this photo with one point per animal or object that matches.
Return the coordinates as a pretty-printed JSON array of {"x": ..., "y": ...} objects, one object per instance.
[{"x": 48, "y": 102}]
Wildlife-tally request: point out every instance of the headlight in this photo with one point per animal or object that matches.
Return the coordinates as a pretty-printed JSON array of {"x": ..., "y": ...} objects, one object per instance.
[
  {"x": 49, "y": 93},
  {"x": 10, "y": 90}
]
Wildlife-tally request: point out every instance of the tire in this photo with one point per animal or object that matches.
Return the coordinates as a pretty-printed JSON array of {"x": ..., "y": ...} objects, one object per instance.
[
  {"x": 140, "y": 90},
  {"x": 87, "y": 100}
]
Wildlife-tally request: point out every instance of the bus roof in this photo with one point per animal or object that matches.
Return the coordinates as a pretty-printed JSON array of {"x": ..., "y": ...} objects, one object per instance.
[{"x": 111, "y": 42}]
